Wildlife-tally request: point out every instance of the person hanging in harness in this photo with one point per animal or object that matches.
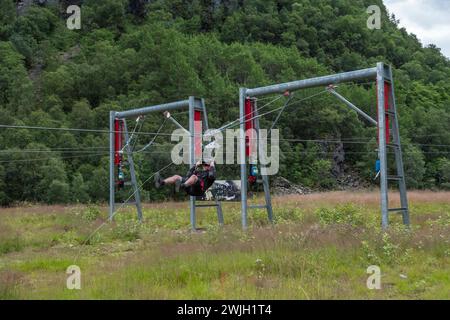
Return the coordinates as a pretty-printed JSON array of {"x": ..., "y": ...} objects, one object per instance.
[{"x": 196, "y": 182}]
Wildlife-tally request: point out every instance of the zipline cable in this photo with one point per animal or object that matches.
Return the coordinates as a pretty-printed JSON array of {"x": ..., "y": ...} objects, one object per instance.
[
  {"x": 58, "y": 158},
  {"x": 136, "y": 140},
  {"x": 120, "y": 208},
  {"x": 232, "y": 123},
  {"x": 138, "y": 120},
  {"x": 277, "y": 109},
  {"x": 154, "y": 138},
  {"x": 281, "y": 112},
  {"x": 224, "y": 152},
  {"x": 106, "y": 152},
  {"x": 76, "y": 130}
]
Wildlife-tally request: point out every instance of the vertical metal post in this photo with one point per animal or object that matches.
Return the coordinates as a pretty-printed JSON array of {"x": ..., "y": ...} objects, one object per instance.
[
  {"x": 243, "y": 157},
  {"x": 219, "y": 213},
  {"x": 206, "y": 128},
  {"x": 192, "y": 155},
  {"x": 398, "y": 154},
  {"x": 205, "y": 116},
  {"x": 112, "y": 181},
  {"x": 382, "y": 146},
  {"x": 137, "y": 195}
]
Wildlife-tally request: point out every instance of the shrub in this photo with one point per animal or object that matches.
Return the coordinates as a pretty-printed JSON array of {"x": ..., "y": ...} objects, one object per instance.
[
  {"x": 91, "y": 213},
  {"x": 389, "y": 248},
  {"x": 128, "y": 231},
  {"x": 370, "y": 254},
  {"x": 343, "y": 214},
  {"x": 289, "y": 215},
  {"x": 385, "y": 250},
  {"x": 69, "y": 238},
  {"x": 58, "y": 192},
  {"x": 79, "y": 192},
  {"x": 259, "y": 217}
]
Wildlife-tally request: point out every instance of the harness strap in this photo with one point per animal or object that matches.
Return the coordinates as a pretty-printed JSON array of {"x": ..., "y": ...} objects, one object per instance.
[
  {"x": 201, "y": 179},
  {"x": 202, "y": 184}
]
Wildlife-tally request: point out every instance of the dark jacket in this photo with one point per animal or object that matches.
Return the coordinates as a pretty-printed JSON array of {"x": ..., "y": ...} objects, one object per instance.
[{"x": 206, "y": 178}]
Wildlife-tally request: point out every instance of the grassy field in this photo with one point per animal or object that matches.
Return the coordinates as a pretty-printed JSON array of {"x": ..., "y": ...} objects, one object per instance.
[{"x": 319, "y": 248}]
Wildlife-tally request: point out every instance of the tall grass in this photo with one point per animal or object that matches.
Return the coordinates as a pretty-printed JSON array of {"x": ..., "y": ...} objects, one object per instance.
[{"x": 318, "y": 248}]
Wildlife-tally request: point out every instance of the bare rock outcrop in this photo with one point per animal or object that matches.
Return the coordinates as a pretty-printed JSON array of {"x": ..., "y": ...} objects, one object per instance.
[{"x": 282, "y": 186}]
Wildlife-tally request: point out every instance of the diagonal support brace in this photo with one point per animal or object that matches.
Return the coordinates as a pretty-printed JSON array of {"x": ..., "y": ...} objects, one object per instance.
[
  {"x": 331, "y": 90},
  {"x": 169, "y": 116}
]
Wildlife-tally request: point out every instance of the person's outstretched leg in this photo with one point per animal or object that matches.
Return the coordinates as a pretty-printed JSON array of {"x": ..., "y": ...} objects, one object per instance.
[
  {"x": 191, "y": 181},
  {"x": 159, "y": 182},
  {"x": 173, "y": 179}
]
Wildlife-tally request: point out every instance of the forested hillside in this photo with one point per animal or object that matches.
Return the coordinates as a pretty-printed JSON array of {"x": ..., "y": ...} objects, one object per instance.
[{"x": 134, "y": 53}]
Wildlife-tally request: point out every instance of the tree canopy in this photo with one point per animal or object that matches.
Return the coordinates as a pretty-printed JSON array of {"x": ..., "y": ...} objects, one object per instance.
[{"x": 133, "y": 53}]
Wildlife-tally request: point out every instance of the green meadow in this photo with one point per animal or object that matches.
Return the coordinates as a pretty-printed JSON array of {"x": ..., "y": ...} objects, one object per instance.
[{"x": 319, "y": 247}]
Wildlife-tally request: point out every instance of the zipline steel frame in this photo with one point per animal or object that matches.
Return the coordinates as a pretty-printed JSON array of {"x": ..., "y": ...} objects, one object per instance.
[
  {"x": 386, "y": 109},
  {"x": 197, "y": 112}
]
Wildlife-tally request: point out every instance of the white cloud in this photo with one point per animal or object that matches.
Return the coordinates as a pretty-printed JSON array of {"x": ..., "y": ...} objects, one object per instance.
[{"x": 429, "y": 20}]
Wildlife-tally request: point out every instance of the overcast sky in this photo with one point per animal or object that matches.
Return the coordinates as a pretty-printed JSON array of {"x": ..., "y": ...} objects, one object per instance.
[{"x": 429, "y": 20}]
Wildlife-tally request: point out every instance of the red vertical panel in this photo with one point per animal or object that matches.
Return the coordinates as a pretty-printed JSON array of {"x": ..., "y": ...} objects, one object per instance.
[
  {"x": 249, "y": 124},
  {"x": 198, "y": 134},
  {"x": 118, "y": 130}
]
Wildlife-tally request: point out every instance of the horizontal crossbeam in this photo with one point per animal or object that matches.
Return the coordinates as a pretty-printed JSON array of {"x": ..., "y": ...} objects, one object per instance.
[
  {"x": 178, "y": 105},
  {"x": 313, "y": 82}
]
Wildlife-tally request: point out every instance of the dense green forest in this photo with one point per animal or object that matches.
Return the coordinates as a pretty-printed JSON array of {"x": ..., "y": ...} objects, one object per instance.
[{"x": 133, "y": 53}]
